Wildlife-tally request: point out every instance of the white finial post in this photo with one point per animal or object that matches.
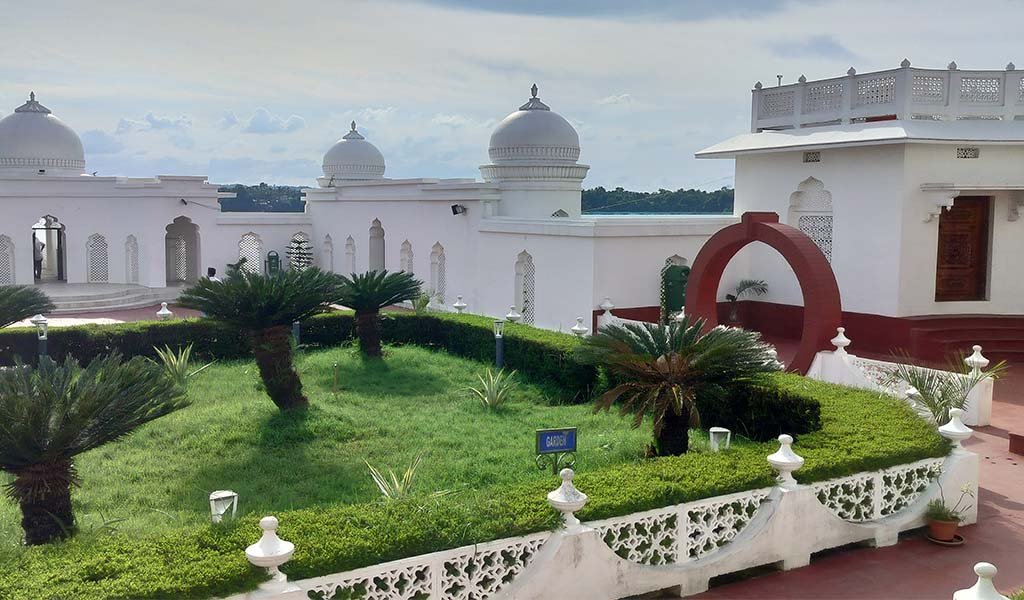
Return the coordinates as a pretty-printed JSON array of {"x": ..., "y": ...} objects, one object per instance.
[
  {"x": 952, "y": 66},
  {"x": 984, "y": 589},
  {"x": 459, "y": 305},
  {"x": 840, "y": 341},
  {"x": 955, "y": 431},
  {"x": 758, "y": 85},
  {"x": 1010, "y": 66},
  {"x": 905, "y": 63},
  {"x": 976, "y": 361},
  {"x": 164, "y": 313},
  {"x": 512, "y": 315},
  {"x": 607, "y": 306},
  {"x": 579, "y": 329},
  {"x": 270, "y": 552},
  {"x": 851, "y": 71},
  {"x": 785, "y": 461},
  {"x": 802, "y": 79},
  {"x": 567, "y": 500}
]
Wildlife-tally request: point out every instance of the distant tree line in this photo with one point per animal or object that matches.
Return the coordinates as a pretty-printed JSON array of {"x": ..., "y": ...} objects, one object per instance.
[
  {"x": 288, "y": 198},
  {"x": 598, "y": 201},
  {"x": 263, "y": 198}
]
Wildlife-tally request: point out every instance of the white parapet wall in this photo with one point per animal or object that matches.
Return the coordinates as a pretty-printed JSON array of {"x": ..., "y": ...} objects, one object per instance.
[
  {"x": 677, "y": 548},
  {"x": 839, "y": 366}
]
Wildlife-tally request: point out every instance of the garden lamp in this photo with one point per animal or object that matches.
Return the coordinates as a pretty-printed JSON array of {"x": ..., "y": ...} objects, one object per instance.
[
  {"x": 499, "y": 343},
  {"x": 42, "y": 328},
  {"x": 220, "y": 502},
  {"x": 720, "y": 438}
]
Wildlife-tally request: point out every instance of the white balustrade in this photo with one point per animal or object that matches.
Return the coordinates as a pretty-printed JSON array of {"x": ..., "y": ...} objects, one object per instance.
[{"x": 984, "y": 589}]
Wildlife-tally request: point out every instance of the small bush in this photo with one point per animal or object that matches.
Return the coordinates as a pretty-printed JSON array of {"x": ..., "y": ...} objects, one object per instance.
[
  {"x": 761, "y": 412},
  {"x": 495, "y": 388}
]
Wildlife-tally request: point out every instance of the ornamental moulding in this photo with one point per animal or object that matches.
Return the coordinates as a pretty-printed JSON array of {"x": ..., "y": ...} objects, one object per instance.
[
  {"x": 530, "y": 152},
  {"x": 531, "y": 172},
  {"x": 9, "y": 161}
]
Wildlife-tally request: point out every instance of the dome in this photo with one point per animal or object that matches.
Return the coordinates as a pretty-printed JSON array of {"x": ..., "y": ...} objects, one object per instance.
[
  {"x": 352, "y": 157},
  {"x": 32, "y": 140},
  {"x": 534, "y": 133}
]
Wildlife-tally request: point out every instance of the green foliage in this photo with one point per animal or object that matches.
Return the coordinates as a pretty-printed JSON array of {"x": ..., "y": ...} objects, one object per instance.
[
  {"x": 421, "y": 303},
  {"x": 393, "y": 487},
  {"x": 935, "y": 392},
  {"x": 760, "y": 412},
  {"x": 252, "y": 301},
  {"x": 263, "y": 198},
  {"x": 177, "y": 365},
  {"x": 755, "y": 287},
  {"x": 373, "y": 290},
  {"x": 601, "y": 201},
  {"x": 495, "y": 388},
  {"x": 19, "y": 302},
  {"x": 938, "y": 510},
  {"x": 663, "y": 369}
]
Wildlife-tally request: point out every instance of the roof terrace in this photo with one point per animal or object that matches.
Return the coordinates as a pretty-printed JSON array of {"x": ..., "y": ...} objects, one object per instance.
[{"x": 905, "y": 93}]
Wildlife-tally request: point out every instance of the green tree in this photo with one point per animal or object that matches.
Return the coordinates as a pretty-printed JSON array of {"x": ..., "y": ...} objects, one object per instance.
[
  {"x": 55, "y": 412},
  {"x": 19, "y": 302},
  {"x": 266, "y": 306},
  {"x": 661, "y": 370},
  {"x": 367, "y": 294}
]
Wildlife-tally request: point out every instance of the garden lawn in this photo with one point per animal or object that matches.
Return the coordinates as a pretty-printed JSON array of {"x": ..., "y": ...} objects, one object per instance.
[{"x": 383, "y": 412}]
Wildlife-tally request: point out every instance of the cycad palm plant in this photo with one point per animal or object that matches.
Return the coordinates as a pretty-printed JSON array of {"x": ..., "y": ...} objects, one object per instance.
[
  {"x": 50, "y": 414},
  {"x": 369, "y": 292},
  {"x": 663, "y": 369},
  {"x": 266, "y": 306},
  {"x": 19, "y": 302}
]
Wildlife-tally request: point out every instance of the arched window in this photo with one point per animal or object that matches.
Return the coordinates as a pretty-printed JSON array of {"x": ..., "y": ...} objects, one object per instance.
[
  {"x": 97, "y": 254},
  {"x": 327, "y": 254},
  {"x": 437, "y": 273},
  {"x": 250, "y": 248},
  {"x": 300, "y": 252},
  {"x": 350, "y": 254},
  {"x": 526, "y": 286},
  {"x": 406, "y": 257},
  {"x": 376, "y": 246},
  {"x": 6, "y": 261},
  {"x": 674, "y": 275},
  {"x": 131, "y": 259},
  {"x": 810, "y": 211}
]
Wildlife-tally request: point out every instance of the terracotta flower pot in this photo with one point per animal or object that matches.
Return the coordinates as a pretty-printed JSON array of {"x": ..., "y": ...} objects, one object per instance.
[{"x": 943, "y": 530}]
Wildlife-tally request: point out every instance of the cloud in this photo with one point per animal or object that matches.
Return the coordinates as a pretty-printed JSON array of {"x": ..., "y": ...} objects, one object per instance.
[
  {"x": 690, "y": 10},
  {"x": 278, "y": 149},
  {"x": 152, "y": 122},
  {"x": 616, "y": 99},
  {"x": 458, "y": 121},
  {"x": 227, "y": 120},
  {"x": 100, "y": 142},
  {"x": 182, "y": 141},
  {"x": 249, "y": 169},
  {"x": 263, "y": 121},
  {"x": 819, "y": 46}
]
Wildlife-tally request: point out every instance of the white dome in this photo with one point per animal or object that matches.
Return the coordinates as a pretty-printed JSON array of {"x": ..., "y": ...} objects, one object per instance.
[
  {"x": 533, "y": 134},
  {"x": 32, "y": 140},
  {"x": 352, "y": 157}
]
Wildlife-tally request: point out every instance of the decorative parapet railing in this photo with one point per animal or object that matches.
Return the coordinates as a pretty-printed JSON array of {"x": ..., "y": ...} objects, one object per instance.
[
  {"x": 680, "y": 547},
  {"x": 839, "y": 366},
  {"x": 904, "y": 93}
]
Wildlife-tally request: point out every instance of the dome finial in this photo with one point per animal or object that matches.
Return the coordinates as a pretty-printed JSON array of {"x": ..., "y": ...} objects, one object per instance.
[
  {"x": 353, "y": 125},
  {"x": 534, "y": 102},
  {"x": 32, "y": 96},
  {"x": 533, "y": 90}
]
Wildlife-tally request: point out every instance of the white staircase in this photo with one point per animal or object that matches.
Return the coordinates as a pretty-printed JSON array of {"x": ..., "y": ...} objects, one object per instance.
[{"x": 105, "y": 298}]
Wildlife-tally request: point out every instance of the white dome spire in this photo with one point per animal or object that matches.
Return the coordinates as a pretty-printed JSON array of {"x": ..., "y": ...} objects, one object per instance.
[
  {"x": 534, "y": 133},
  {"x": 353, "y": 158},
  {"x": 33, "y": 141}
]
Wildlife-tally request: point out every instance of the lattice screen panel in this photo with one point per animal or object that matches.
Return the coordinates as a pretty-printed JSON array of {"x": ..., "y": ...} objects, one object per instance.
[
  {"x": 983, "y": 90},
  {"x": 776, "y": 104},
  {"x": 131, "y": 259},
  {"x": 876, "y": 90},
  {"x": 6, "y": 261},
  {"x": 819, "y": 229},
  {"x": 442, "y": 276},
  {"x": 250, "y": 247},
  {"x": 823, "y": 97},
  {"x": 529, "y": 289},
  {"x": 928, "y": 89},
  {"x": 97, "y": 259},
  {"x": 177, "y": 253}
]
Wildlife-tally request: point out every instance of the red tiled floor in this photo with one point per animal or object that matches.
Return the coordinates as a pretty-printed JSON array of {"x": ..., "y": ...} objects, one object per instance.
[{"x": 916, "y": 568}]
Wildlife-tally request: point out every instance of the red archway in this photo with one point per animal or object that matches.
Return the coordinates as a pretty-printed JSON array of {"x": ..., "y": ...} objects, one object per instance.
[{"x": 822, "y": 308}]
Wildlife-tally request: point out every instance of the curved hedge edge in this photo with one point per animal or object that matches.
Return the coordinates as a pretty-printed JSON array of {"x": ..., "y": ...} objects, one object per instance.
[{"x": 860, "y": 431}]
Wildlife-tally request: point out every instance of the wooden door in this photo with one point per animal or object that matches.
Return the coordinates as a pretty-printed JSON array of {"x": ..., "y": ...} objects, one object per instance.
[{"x": 962, "y": 261}]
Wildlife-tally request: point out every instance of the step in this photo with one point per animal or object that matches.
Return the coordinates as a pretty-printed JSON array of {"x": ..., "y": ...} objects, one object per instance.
[
  {"x": 155, "y": 302},
  {"x": 112, "y": 301}
]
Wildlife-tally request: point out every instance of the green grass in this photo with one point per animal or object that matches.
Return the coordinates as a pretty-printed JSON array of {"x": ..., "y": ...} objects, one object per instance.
[{"x": 385, "y": 413}]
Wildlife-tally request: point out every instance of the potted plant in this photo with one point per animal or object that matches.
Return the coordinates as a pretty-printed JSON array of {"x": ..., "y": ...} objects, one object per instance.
[
  {"x": 943, "y": 521},
  {"x": 755, "y": 287}
]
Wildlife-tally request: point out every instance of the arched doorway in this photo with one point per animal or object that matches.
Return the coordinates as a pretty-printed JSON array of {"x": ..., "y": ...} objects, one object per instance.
[
  {"x": 49, "y": 250},
  {"x": 822, "y": 307},
  {"x": 182, "y": 251}
]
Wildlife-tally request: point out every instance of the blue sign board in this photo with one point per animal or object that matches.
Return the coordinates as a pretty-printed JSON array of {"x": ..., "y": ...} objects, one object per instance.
[{"x": 555, "y": 441}]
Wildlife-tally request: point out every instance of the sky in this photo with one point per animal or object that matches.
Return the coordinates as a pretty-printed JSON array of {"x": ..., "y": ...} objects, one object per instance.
[{"x": 249, "y": 92}]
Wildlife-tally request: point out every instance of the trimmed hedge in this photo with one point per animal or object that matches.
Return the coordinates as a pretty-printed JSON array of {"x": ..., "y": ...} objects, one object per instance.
[
  {"x": 540, "y": 355},
  {"x": 762, "y": 412},
  {"x": 860, "y": 431}
]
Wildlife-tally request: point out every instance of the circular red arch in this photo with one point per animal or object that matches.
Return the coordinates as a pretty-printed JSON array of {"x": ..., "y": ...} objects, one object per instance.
[{"x": 822, "y": 308}]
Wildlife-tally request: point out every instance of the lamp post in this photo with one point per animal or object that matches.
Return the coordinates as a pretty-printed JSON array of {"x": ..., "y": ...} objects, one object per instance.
[
  {"x": 220, "y": 502},
  {"x": 42, "y": 327},
  {"x": 499, "y": 343}
]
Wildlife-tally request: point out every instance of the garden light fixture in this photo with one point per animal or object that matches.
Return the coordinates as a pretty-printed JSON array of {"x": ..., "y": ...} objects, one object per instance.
[
  {"x": 220, "y": 502},
  {"x": 720, "y": 438},
  {"x": 499, "y": 343},
  {"x": 42, "y": 327}
]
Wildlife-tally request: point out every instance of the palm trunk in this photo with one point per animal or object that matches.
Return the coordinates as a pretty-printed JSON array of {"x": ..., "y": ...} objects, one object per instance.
[
  {"x": 273, "y": 351},
  {"x": 368, "y": 330},
  {"x": 44, "y": 495},
  {"x": 674, "y": 437}
]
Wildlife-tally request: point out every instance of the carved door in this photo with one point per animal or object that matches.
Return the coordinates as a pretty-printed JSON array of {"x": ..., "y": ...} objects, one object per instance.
[{"x": 962, "y": 261}]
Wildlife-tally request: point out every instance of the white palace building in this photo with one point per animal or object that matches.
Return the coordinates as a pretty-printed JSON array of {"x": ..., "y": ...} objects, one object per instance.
[{"x": 910, "y": 181}]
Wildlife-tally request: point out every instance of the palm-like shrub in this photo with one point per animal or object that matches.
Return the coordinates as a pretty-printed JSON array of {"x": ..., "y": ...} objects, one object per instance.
[
  {"x": 662, "y": 369},
  {"x": 266, "y": 306},
  {"x": 369, "y": 292},
  {"x": 495, "y": 388},
  {"x": 933, "y": 392},
  {"x": 50, "y": 414},
  {"x": 19, "y": 302}
]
